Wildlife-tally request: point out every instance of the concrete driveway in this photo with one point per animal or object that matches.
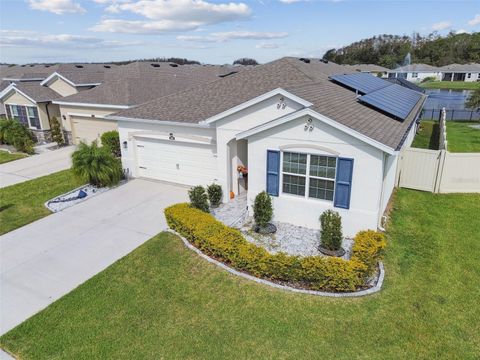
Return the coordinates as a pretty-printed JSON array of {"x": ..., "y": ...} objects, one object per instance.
[
  {"x": 43, "y": 261},
  {"x": 34, "y": 166}
]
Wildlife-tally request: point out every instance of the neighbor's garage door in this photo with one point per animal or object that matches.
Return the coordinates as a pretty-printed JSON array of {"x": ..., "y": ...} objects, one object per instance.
[
  {"x": 182, "y": 163},
  {"x": 90, "y": 129}
]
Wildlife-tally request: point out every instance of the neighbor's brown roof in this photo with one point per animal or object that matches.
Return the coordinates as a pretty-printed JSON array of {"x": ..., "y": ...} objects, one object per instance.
[
  {"x": 309, "y": 81},
  {"x": 140, "y": 82}
]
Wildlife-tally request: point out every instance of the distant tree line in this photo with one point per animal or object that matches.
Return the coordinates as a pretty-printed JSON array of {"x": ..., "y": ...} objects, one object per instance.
[
  {"x": 245, "y": 61},
  {"x": 179, "y": 61},
  {"x": 392, "y": 50}
]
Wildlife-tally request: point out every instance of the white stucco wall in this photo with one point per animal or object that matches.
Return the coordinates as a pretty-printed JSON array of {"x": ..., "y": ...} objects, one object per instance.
[
  {"x": 230, "y": 126},
  {"x": 366, "y": 182}
]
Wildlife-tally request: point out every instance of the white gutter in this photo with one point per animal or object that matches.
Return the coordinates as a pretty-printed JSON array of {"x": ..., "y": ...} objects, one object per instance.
[
  {"x": 107, "y": 106},
  {"x": 158, "y": 122}
]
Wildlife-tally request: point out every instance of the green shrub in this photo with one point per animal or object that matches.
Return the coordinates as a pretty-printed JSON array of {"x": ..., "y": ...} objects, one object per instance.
[
  {"x": 96, "y": 165},
  {"x": 331, "y": 230},
  {"x": 57, "y": 134},
  {"x": 16, "y": 134},
  {"x": 313, "y": 272},
  {"x": 111, "y": 140},
  {"x": 429, "y": 78},
  {"x": 262, "y": 209},
  {"x": 198, "y": 198},
  {"x": 215, "y": 194}
]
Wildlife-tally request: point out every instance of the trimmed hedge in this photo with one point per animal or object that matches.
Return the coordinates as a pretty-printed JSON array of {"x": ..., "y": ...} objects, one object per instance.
[{"x": 313, "y": 272}]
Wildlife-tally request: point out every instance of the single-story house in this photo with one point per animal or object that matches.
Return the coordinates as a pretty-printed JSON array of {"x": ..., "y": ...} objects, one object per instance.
[
  {"x": 452, "y": 72},
  {"x": 314, "y": 135},
  {"x": 416, "y": 72},
  {"x": 30, "y": 103},
  {"x": 28, "y": 93},
  {"x": 461, "y": 72},
  {"x": 84, "y": 113}
]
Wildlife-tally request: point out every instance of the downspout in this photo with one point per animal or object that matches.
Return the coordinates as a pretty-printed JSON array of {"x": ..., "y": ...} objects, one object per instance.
[{"x": 380, "y": 215}]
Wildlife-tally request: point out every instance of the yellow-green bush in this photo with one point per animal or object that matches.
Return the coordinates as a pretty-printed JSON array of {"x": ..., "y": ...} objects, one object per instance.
[
  {"x": 368, "y": 248},
  {"x": 314, "y": 272}
]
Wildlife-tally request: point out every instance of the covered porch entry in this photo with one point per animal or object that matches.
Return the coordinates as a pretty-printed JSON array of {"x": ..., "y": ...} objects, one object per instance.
[{"x": 237, "y": 168}]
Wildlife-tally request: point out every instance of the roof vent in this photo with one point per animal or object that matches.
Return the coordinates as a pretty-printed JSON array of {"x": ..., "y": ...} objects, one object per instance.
[
  {"x": 324, "y": 61},
  {"x": 79, "y": 66},
  {"x": 47, "y": 66},
  {"x": 173, "y": 65},
  {"x": 107, "y": 66},
  {"x": 155, "y": 65},
  {"x": 306, "y": 61},
  {"x": 228, "y": 74}
]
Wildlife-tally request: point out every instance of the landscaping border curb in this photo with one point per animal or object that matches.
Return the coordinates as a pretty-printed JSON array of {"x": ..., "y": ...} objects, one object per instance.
[{"x": 372, "y": 290}]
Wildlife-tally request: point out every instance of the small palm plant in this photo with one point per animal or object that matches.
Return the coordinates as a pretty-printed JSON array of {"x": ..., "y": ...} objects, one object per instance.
[{"x": 96, "y": 165}]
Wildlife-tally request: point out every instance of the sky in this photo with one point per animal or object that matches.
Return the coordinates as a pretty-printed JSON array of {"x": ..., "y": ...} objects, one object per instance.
[{"x": 212, "y": 31}]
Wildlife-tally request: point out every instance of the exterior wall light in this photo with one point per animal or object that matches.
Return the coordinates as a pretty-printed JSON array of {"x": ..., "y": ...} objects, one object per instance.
[
  {"x": 125, "y": 144},
  {"x": 171, "y": 137}
]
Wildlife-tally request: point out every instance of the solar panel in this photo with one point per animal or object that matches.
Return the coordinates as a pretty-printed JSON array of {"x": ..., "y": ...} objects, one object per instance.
[
  {"x": 395, "y": 100},
  {"x": 363, "y": 82}
]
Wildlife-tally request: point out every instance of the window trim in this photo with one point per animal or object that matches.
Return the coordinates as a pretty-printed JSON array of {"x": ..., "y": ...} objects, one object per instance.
[{"x": 307, "y": 176}]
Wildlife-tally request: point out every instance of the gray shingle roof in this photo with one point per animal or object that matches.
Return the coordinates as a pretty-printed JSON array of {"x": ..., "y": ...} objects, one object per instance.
[
  {"x": 416, "y": 67},
  {"x": 306, "y": 80},
  {"x": 140, "y": 82},
  {"x": 37, "y": 92},
  {"x": 462, "y": 67},
  {"x": 368, "y": 68}
]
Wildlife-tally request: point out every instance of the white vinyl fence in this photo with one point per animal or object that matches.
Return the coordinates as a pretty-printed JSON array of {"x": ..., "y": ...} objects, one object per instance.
[{"x": 439, "y": 171}]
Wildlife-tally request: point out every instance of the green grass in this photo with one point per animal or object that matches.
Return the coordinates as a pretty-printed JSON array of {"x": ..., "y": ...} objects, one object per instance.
[
  {"x": 427, "y": 136},
  {"x": 23, "y": 203},
  {"x": 454, "y": 85},
  {"x": 7, "y": 157},
  {"x": 461, "y": 137},
  {"x": 163, "y": 301}
]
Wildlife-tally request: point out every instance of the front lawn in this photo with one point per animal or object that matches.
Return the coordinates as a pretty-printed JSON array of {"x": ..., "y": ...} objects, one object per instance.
[
  {"x": 461, "y": 137},
  {"x": 5, "y": 156},
  {"x": 427, "y": 135},
  {"x": 23, "y": 203},
  {"x": 164, "y": 301},
  {"x": 454, "y": 85}
]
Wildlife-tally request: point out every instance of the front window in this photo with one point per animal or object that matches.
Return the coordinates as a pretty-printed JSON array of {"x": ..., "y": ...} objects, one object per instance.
[
  {"x": 26, "y": 115},
  {"x": 317, "y": 183},
  {"x": 469, "y": 75},
  {"x": 414, "y": 75}
]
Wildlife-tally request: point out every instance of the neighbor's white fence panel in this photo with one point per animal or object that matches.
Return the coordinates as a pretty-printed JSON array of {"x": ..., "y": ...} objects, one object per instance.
[
  {"x": 460, "y": 173},
  {"x": 418, "y": 169}
]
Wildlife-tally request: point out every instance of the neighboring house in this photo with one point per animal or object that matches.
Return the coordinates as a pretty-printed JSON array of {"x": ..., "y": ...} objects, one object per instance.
[
  {"x": 313, "y": 138},
  {"x": 373, "y": 69},
  {"x": 27, "y": 93},
  {"x": 30, "y": 103},
  {"x": 459, "y": 72},
  {"x": 84, "y": 114},
  {"x": 416, "y": 72},
  {"x": 453, "y": 72}
]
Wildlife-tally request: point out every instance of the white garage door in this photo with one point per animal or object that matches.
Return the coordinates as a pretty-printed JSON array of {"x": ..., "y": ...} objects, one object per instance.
[
  {"x": 90, "y": 129},
  {"x": 182, "y": 163}
]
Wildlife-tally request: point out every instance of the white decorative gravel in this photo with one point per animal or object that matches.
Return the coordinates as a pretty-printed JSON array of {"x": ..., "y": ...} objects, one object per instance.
[
  {"x": 72, "y": 199},
  {"x": 291, "y": 239}
]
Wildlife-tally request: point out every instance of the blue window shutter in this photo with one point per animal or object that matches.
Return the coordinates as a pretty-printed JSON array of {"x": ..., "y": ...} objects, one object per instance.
[
  {"x": 343, "y": 183},
  {"x": 273, "y": 172}
]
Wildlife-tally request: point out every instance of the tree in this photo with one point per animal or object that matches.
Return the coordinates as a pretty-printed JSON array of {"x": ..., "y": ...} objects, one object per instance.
[
  {"x": 245, "y": 61},
  {"x": 96, "y": 165},
  {"x": 474, "y": 100},
  {"x": 56, "y": 130}
]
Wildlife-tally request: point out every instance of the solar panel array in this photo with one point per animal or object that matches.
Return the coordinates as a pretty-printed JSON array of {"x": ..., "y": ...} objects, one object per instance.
[
  {"x": 395, "y": 100},
  {"x": 363, "y": 82}
]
